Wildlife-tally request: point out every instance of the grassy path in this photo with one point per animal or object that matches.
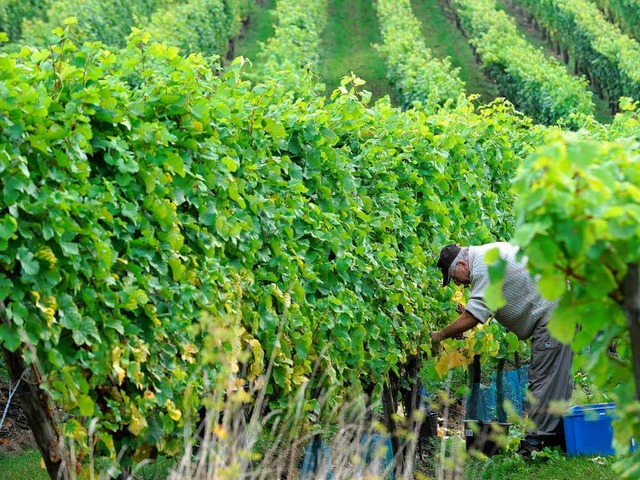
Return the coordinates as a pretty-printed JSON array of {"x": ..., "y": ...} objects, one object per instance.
[
  {"x": 602, "y": 112},
  {"x": 445, "y": 40},
  {"x": 259, "y": 29},
  {"x": 352, "y": 28}
]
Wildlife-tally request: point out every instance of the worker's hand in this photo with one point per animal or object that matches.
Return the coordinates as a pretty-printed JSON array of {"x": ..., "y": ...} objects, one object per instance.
[
  {"x": 436, "y": 337},
  {"x": 459, "y": 308}
]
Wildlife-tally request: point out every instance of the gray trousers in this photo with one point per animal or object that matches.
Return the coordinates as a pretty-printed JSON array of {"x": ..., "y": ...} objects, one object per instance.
[{"x": 549, "y": 380}]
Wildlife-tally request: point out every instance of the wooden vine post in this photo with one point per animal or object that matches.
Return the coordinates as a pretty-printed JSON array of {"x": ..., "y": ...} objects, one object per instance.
[
  {"x": 32, "y": 401},
  {"x": 409, "y": 394},
  {"x": 390, "y": 408}
]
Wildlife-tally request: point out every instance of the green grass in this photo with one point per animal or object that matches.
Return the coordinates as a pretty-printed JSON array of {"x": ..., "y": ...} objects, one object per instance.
[
  {"x": 26, "y": 465},
  {"x": 548, "y": 466},
  {"x": 352, "y": 28},
  {"x": 22, "y": 466},
  {"x": 158, "y": 470},
  {"x": 444, "y": 39},
  {"x": 259, "y": 29},
  {"x": 553, "y": 467}
]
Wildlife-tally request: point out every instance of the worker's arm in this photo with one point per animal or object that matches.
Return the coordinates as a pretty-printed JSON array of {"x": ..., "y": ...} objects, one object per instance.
[{"x": 464, "y": 322}]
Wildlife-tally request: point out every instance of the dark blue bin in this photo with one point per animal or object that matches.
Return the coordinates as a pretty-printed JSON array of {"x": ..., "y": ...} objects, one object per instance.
[{"x": 588, "y": 429}]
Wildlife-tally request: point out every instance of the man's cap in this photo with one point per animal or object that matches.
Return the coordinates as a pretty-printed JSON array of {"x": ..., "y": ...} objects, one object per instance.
[{"x": 447, "y": 255}]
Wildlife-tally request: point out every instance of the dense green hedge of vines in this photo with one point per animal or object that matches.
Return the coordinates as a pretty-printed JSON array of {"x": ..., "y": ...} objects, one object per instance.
[
  {"x": 625, "y": 13},
  {"x": 294, "y": 47},
  {"x": 140, "y": 191},
  {"x": 13, "y": 12},
  {"x": 600, "y": 49},
  {"x": 108, "y": 21},
  {"x": 204, "y": 26},
  {"x": 579, "y": 222},
  {"x": 412, "y": 69},
  {"x": 538, "y": 85}
]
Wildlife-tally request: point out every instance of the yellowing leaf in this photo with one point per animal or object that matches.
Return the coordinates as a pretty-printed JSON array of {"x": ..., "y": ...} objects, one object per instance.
[
  {"x": 241, "y": 396},
  {"x": 138, "y": 422},
  {"x": 449, "y": 360},
  {"x": 47, "y": 305},
  {"x": 298, "y": 377},
  {"x": 132, "y": 298},
  {"x": 188, "y": 353},
  {"x": 172, "y": 52},
  {"x": 220, "y": 432},
  {"x": 116, "y": 353},
  {"x": 458, "y": 296},
  {"x": 179, "y": 374},
  {"x": 107, "y": 440},
  {"x": 634, "y": 192},
  {"x": 257, "y": 366},
  {"x": 152, "y": 313},
  {"x": 74, "y": 429},
  {"x": 174, "y": 412},
  {"x": 45, "y": 254}
]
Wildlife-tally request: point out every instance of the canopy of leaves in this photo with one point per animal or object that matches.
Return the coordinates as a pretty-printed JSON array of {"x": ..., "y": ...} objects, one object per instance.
[
  {"x": 142, "y": 190},
  {"x": 579, "y": 221}
]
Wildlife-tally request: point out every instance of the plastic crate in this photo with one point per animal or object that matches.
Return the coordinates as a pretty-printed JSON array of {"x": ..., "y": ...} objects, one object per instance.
[{"x": 588, "y": 429}]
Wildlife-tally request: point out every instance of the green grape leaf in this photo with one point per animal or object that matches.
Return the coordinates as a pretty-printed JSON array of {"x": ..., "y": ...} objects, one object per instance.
[
  {"x": 276, "y": 129},
  {"x": 86, "y": 406},
  {"x": 552, "y": 285},
  {"x": 562, "y": 324},
  {"x": 493, "y": 295},
  {"x": 9, "y": 338}
]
